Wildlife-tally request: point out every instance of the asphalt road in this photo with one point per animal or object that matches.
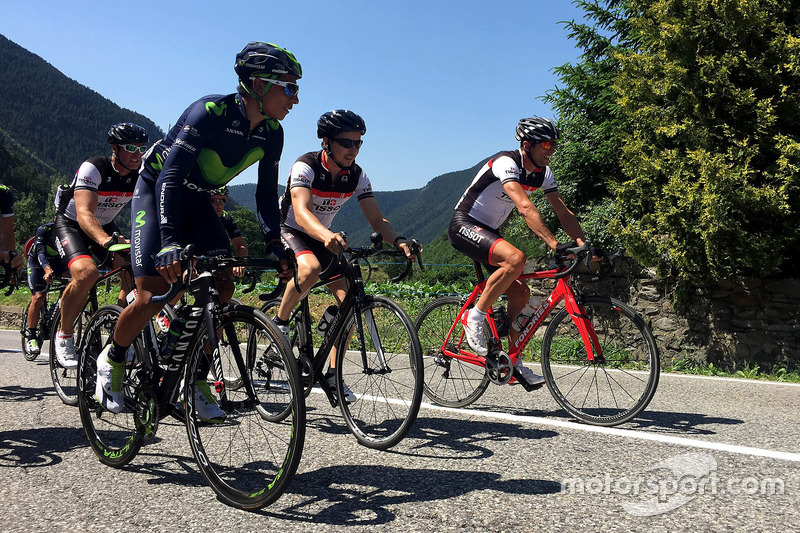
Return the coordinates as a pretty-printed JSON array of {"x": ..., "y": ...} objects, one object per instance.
[{"x": 708, "y": 455}]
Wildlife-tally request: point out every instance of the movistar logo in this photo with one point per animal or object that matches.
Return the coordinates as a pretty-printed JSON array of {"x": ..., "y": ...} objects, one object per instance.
[
  {"x": 139, "y": 219},
  {"x": 217, "y": 110}
]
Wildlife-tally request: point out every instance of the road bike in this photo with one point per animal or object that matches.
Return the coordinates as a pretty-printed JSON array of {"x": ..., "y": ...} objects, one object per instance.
[
  {"x": 250, "y": 457},
  {"x": 599, "y": 358},
  {"x": 65, "y": 380},
  {"x": 377, "y": 352}
]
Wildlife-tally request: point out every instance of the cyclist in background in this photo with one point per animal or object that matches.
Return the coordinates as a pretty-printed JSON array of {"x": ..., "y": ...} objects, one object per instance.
[
  {"x": 84, "y": 225},
  {"x": 218, "y": 199},
  {"x": 215, "y": 139},
  {"x": 502, "y": 184},
  {"x": 43, "y": 264},
  {"x": 8, "y": 245},
  {"x": 319, "y": 184}
]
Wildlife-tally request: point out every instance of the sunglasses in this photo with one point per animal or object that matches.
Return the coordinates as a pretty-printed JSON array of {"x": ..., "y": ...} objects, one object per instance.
[
  {"x": 218, "y": 201},
  {"x": 548, "y": 145},
  {"x": 349, "y": 143},
  {"x": 132, "y": 148},
  {"x": 290, "y": 88}
]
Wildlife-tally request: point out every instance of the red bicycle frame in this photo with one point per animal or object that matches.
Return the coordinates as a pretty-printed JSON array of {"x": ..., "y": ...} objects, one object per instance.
[{"x": 562, "y": 291}]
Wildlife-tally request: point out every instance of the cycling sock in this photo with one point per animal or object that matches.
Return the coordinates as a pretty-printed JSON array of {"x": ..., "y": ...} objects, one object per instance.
[
  {"x": 476, "y": 315},
  {"x": 117, "y": 352}
]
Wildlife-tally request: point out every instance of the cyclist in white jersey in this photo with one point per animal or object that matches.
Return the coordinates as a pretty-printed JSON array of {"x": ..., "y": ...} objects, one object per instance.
[
  {"x": 319, "y": 184},
  {"x": 84, "y": 227},
  {"x": 501, "y": 185}
]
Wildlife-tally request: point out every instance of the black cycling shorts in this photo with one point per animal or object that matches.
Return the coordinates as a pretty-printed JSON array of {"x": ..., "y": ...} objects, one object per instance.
[
  {"x": 199, "y": 225},
  {"x": 472, "y": 238},
  {"x": 302, "y": 243},
  {"x": 72, "y": 242}
]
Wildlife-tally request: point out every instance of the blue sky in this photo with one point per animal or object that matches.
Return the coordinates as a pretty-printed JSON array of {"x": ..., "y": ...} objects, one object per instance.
[{"x": 441, "y": 84}]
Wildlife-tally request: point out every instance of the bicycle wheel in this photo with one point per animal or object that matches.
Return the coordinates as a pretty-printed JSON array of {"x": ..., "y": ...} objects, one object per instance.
[
  {"x": 114, "y": 438},
  {"x": 610, "y": 391},
  {"x": 385, "y": 373},
  {"x": 248, "y": 459},
  {"x": 270, "y": 308},
  {"x": 449, "y": 381},
  {"x": 65, "y": 380}
]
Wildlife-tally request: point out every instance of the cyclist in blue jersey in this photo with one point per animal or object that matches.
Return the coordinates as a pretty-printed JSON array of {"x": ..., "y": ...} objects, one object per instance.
[
  {"x": 218, "y": 200},
  {"x": 502, "y": 184},
  {"x": 214, "y": 139},
  {"x": 43, "y": 264}
]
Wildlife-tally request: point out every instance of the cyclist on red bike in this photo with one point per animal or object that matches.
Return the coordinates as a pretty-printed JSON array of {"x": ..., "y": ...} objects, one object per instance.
[{"x": 502, "y": 184}]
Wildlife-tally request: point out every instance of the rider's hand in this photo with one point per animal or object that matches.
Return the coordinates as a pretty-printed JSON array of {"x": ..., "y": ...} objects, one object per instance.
[
  {"x": 239, "y": 271},
  {"x": 168, "y": 263},
  {"x": 48, "y": 275},
  {"x": 16, "y": 262},
  {"x": 334, "y": 242},
  {"x": 562, "y": 248},
  {"x": 597, "y": 253}
]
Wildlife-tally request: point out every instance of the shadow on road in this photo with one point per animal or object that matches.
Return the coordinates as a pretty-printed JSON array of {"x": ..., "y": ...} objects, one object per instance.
[
  {"x": 15, "y": 393},
  {"x": 364, "y": 495},
  {"x": 39, "y": 446}
]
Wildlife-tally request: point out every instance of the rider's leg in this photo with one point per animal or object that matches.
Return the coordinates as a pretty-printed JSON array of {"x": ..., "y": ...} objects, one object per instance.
[
  {"x": 308, "y": 270},
  {"x": 35, "y": 309},
  {"x": 84, "y": 275},
  {"x": 509, "y": 262}
]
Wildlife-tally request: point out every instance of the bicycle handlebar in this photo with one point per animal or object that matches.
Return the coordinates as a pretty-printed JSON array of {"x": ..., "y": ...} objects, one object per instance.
[
  {"x": 10, "y": 275},
  {"x": 209, "y": 263},
  {"x": 584, "y": 253}
]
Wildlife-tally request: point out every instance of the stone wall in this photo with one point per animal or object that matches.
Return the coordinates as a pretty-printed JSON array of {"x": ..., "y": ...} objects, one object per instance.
[{"x": 736, "y": 323}]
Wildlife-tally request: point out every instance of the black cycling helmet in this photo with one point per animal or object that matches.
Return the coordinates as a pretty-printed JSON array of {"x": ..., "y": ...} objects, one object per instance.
[
  {"x": 265, "y": 60},
  {"x": 127, "y": 132},
  {"x": 222, "y": 191},
  {"x": 334, "y": 122},
  {"x": 536, "y": 130}
]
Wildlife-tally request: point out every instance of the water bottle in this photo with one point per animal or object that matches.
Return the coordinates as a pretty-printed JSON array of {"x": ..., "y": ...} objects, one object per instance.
[
  {"x": 131, "y": 296},
  {"x": 527, "y": 312},
  {"x": 500, "y": 321},
  {"x": 327, "y": 318},
  {"x": 173, "y": 335}
]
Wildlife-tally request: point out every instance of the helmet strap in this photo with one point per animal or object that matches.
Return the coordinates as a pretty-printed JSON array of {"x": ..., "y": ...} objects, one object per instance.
[
  {"x": 329, "y": 153},
  {"x": 115, "y": 160}
]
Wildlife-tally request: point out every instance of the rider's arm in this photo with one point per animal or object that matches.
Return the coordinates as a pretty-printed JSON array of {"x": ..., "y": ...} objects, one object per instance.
[
  {"x": 239, "y": 247},
  {"x": 40, "y": 246},
  {"x": 267, "y": 211},
  {"x": 303, "y": 207},
  {"x": 85, "y": 206},
  {"x": 532, "y": 216},
  {"x": 567, "y": 218}
]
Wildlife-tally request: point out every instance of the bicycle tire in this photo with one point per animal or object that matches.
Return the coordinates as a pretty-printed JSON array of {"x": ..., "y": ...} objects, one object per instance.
[
  {"x": 65, "y": 381},
  {"x": 248, "y": 460},
  {"x": 449, "y": 381},
  {"x": 114, "y": 438},
  {"x": 270, "y": 308},
  {"x": 387, "y": 396},
  {"x": 611, "y": 392}
]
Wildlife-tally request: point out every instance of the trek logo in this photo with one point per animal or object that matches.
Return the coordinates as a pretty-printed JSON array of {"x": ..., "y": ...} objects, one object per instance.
[{"x": 211, "y": 107}]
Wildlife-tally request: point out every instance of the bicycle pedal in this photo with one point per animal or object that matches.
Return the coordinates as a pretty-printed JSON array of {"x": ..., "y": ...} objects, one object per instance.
[{"x": 218, "y": 386}]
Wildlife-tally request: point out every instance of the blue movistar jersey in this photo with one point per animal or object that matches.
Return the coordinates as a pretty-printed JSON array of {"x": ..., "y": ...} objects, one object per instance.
[{"x": 210, "y": 145}]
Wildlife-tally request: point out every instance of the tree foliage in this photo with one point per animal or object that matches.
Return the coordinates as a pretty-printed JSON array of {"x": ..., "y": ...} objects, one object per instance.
[{"x": 711, "y": 147}]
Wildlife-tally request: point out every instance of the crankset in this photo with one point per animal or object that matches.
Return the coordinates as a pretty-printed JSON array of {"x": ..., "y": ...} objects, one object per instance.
[
  {"x": 499, "y": 367},
  {"x": 146, "y": 413}
]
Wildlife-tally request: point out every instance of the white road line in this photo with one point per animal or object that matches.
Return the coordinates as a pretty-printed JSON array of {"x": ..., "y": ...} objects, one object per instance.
[{"x": 641, "y": 435}]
